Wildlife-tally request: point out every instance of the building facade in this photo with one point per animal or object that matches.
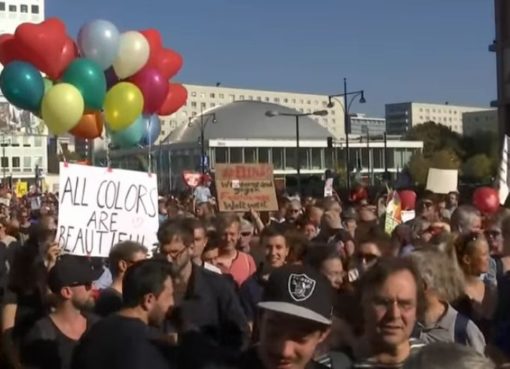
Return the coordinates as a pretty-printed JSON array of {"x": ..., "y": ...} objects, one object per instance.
[
  {"x": 501, "y": 47},
  {"x": 401, "y": 117},
  {"x": 21, "y": 155},
  {"x": 203, "y": 98},
  {"x": 476, "y": 121},
  {"x": 363, "y": 125},
  {"x": 15, "y": 12}
]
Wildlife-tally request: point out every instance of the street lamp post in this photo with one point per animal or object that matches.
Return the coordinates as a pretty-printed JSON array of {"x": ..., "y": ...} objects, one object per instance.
[
  {"x": 275, "y": 113},
  {"x": 203, "y": 124},
  {"x": 347, "y": 121}
]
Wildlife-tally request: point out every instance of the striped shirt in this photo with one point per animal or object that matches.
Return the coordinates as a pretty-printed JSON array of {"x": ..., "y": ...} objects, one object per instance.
[{"x": 416, "y": 346}]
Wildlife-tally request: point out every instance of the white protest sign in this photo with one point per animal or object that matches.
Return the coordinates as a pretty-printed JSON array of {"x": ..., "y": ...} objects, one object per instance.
[
  {"x": 442, "y": 181},
  {"x": 328, "y": 187},
  {"x": 99, "y": 207}
]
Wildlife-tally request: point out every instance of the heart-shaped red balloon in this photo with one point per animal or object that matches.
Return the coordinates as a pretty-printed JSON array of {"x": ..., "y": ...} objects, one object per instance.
[
  {"x": 175, "y": 98},
  {"x": 8, "y": 49},
  {"x": 166, "y": 61},
  {"x": 46, "y": 45}
]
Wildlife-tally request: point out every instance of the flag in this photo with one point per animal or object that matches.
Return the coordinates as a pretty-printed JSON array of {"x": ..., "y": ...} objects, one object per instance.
[{"x": 503, "y": 173}]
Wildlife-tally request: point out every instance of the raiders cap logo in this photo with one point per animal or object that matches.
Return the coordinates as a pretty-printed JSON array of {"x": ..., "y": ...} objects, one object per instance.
[{"x": 300, "y": 287}]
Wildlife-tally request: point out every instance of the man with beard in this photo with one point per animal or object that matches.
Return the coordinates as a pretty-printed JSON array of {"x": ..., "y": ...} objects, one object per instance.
[
  {"x": 125, "y": 340},
  {"x": 205, "y": 301},
  {"x": 51, "y": 341}
]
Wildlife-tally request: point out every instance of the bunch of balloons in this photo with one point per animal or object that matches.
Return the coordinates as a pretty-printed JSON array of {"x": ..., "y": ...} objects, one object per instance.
[{"x": 105, "y": 77}]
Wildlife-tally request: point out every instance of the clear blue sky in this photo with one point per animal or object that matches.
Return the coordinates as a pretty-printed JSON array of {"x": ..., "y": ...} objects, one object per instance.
[{"x": 397, "y": 50}]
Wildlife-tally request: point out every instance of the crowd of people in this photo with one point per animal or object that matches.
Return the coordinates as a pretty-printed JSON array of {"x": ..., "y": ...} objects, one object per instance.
[{"x": 317, "y": 284}]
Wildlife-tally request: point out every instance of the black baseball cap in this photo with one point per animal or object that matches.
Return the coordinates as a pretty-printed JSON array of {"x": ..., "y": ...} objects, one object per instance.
[
  {"x": 299, "y": 291},
  {"x": 71, "y": 270}
]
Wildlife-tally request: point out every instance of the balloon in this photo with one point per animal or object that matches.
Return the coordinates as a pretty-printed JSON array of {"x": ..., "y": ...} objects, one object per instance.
[
  {"x": 132, "y": 55},
  {"x": 166, "y": 61},
  {"x": 486, "y": 199},
  {"x": 152, "y": 129},
  {"x": 154, "y": 88},
  {"x": 130, "y": 136},
  {"x": 98, "y": 40},
  {"x": 62, "y": 108},
  {"x": 9, "y": 51},
  {"x": 122, "y": 105},
  {"x": 175, "y": 98},
  {"x": 48, "y": 83},
  {"x": 407, "y": 199},
  {"x": 111, "y": 78},
  {"x": 22, "y": 85},
  {"x": 88, "y": 77},
  {"x": 89, "y": 127},
  {"x": 46, "y": 46}
]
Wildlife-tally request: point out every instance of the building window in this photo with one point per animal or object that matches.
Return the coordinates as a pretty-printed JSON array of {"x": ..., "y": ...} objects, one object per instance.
[
  {"x": 267, "y": 99},
  {"x": 236, "y": 155},
  {"x": 250, "y": 97},
  {"x": 293, "y": 101},
  {"x": 203, "y": 105},
  {"x": 202, "y": 95},
  {"x": 2, "y": 6},
  {"x": 5, "y": 162},
  {"x": 35, "y": 9},
  {"x": 23, "y": 8},
  {"x": 285, "y": 100},
  {"x": 15, "y": 162},
  {"x": 232, "y": 97},
  {"x": 163, "y": 133},
  {"x": 308, "y": 102},
  {"x": 241, "y": 97},
  {"x": 222, "y": 96},
  {"x": 27, "y": 162},
  {"x": 193, "y": 104},
  {"x": 263, "y": 155},
  {"x": 259, "y": 98},
  {"x": 421, "y": 109},
  {"x": 277, "y": 156},
  {"x": 12, "y": 8},
  {"x": 212, "y": 95},
  {"x": 250, "y": 155},
  {"x": 290, "y": 158},
  {"x": 37, "y": 141},
  {"x": 194, "y": 94},
  {"x": 316, "y": 158},
  {"x": 220, "y": 155}
]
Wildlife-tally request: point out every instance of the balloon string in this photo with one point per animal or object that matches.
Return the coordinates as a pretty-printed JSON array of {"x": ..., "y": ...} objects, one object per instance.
[
  {"x": 107, "y": 139},
  {"x": 149, "y": 147},
  {"x": 61, "y": 149}
]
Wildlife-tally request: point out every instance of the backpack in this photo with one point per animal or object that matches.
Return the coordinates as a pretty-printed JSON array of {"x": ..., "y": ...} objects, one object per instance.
[{"x": 460, "y": 335}]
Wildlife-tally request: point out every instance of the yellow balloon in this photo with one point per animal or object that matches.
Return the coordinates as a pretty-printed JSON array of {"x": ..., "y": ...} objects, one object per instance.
[
  {"x": 122, "y": 105},
  {"x": 62, "y": 108}
]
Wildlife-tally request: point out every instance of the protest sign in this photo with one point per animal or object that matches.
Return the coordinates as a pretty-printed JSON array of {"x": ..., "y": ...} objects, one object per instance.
[
  {"x": 442, "y": 181},
  {"x": 99, "y": 207},
  {"x": 242, "y": 187},
  {"x": 21, "y": 188},
  {"x": 393, "y": 213},
  {"x": 328, "y": 187}
]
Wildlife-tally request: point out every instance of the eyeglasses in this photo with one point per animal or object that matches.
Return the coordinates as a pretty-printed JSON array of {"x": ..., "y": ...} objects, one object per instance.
[
  {"x": 173, "y": 255},
  {"x": 367, "y": 257},
  {"x": 246, "y": 234},
  {"x": 492, "y": 234}
]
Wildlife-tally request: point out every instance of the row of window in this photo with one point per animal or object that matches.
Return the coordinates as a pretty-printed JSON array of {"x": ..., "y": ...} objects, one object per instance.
[
  {"x": 15, "y": 162},
  {"x": 23, "y": 8},
  {"x": 233, "y": 97},
  {"x": 437, "y": 119},
  {"x": 19, "y": 141},
  {"x": 444, "y": 111}
]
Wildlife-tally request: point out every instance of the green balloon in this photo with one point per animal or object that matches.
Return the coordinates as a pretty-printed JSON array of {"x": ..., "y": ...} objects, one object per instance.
[
  {"x": 130, "y": 136},
  {"x": 88, "y": 77},
  {"x": 22, "y": 85},
  {"x": 48, "y": 83}
]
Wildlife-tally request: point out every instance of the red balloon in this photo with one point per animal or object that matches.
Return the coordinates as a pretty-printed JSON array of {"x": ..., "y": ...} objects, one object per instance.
[
  {"x": 486, "y": 199},
  {"x": 154, "y": 88},
  {"x": 175, "y": 98},
  {"x": 166, "y": 61},
  {"x": 89, "y": 127},
  {"x": 407, "y": 199},
  {"x": 46, "y": 46},
  {"x": 8, "y": 49}
]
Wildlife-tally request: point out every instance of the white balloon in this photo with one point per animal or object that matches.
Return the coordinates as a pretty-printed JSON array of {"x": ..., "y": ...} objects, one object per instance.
[{"x": 133, "y": 54}]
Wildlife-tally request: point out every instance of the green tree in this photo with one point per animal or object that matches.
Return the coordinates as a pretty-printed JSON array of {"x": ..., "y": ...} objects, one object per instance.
[
  {"x": 419, "y": 168},
  {"x": 436, "y": 137},
  {"x": 478, "y": 167},
  {"x": 445, "y": 159}
]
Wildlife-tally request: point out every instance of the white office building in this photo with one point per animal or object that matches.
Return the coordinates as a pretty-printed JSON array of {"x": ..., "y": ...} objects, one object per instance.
[
  {"x": 23, "y": 136},
  {"x": 363, "y": 125},
  {"x": 203, "y": 98},
  {"x": 476, "y": 121},
  {"x": 401, "y": 117}
]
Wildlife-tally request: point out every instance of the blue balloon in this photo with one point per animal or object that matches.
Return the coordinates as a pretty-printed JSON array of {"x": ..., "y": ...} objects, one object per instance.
[
  {"x": 99, "y": 41},
  {"x": 152, "y": 129},
  {"x": 22, "y": 85},
  {"x": 130, "y": 136}
]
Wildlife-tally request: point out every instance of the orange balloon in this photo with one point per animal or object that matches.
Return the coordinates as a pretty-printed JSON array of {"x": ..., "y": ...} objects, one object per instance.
[{"x": 89, "y": 127}]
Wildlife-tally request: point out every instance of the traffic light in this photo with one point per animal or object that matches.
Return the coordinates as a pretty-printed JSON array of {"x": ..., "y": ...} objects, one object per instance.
[{"x": 330, "y": 142}]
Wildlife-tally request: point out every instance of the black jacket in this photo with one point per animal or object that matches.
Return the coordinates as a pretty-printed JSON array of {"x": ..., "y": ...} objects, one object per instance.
[{"x": 212, "y": 308}]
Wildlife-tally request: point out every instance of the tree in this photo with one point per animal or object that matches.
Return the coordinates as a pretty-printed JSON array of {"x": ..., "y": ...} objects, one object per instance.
[
  {"x": 436, "y": 137},
  {"x": 478, "y": 167},
  {"x": 445, "y": 159},
  {"x": 419, "y": 168}
]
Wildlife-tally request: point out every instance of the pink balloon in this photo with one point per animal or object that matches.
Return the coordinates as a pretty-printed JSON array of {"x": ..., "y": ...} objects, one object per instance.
[{"x": 154, "y": 88}]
